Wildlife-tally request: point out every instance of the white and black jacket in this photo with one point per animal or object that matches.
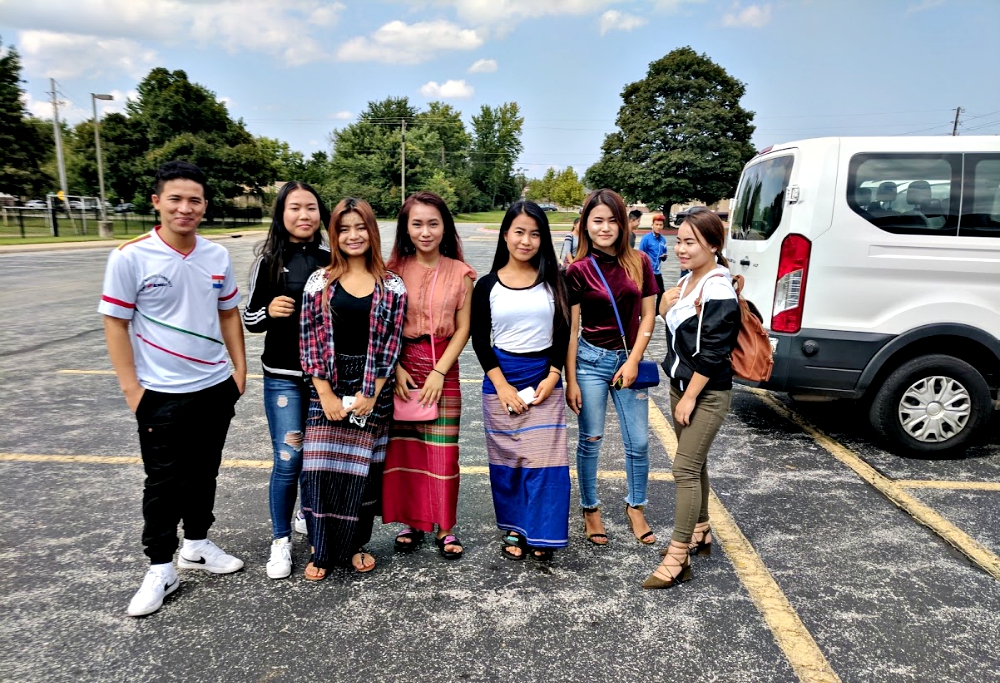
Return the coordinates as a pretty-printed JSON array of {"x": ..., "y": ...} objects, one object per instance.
[
  {"x": 281, "y": 345},
  {"x": 703, "y": 343}
]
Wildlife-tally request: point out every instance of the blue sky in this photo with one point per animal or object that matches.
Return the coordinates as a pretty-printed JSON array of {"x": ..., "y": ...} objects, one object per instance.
[{"x": 296, "y": 69}]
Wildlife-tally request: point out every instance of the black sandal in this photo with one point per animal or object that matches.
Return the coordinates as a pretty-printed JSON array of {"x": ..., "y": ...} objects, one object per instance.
[
  {"x": 449, "y": 539},
  {"x": 416, "y": 538},
  {"x": 513, "y": 539},
  {"x": 542, "y": 554}
]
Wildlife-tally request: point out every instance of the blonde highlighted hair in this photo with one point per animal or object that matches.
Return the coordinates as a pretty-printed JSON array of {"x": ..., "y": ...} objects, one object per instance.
[{"x": 373, "y": 257}]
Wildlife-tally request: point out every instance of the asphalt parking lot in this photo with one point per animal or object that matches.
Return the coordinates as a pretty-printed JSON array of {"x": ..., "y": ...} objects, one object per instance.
[{"x": 841, "y": 562}]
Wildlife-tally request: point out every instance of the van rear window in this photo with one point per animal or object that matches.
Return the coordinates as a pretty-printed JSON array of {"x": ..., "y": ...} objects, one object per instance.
[
  {"x": 760, "y": 200},
  {"x": 906, "y": 194},
  {"x": 981, "y": 204}
]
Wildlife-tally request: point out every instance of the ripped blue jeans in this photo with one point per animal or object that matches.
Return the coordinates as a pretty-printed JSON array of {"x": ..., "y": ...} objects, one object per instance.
[
  {"x": 595, "y": 367},
  {"x": 286, "y": 403}
]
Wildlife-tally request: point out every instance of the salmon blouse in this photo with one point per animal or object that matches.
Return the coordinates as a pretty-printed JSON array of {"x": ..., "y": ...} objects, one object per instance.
[{"x": 449, "y": 295}]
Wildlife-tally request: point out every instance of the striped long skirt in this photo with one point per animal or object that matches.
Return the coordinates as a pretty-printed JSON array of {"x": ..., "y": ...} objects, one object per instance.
[
  {"x": 529, "y": 462},
  {"x": 420, "y": 485},
  {"x": 342, "y": 465}
]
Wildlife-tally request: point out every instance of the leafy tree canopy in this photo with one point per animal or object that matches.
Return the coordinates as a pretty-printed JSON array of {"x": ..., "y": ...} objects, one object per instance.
[
  {"x": 23, "y": 146},
  {"x": 682, "y": 134}
]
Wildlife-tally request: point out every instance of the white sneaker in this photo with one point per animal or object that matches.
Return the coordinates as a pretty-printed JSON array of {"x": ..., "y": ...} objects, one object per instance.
[
  {"x": 299, "y": 523},
  {"x": 160, "y": 581},
  {"x": 206, "y": 555},
  {"x": 280, "y": 564}
]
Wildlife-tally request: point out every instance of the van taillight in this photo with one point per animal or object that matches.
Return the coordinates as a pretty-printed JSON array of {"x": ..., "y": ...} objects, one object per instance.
[{"x": 790, "y": 289}]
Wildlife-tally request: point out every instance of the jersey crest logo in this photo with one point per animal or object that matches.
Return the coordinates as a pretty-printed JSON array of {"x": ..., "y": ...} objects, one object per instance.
[{"x": 155, "y": 281}]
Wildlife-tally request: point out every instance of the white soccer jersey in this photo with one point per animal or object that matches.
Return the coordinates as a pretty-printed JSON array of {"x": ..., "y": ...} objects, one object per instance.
[{"x": 173, "y": 302}]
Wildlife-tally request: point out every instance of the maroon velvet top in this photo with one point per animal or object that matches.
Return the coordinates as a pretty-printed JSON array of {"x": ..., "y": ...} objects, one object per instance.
[{"x": 596, "y": 315}]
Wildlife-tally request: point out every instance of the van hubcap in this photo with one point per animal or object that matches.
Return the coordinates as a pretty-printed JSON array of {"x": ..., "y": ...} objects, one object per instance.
[{"x": 934, "y": 409}]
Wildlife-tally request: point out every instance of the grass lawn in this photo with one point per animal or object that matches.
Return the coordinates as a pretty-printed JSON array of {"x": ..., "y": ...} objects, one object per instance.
[
  {"x": 496, "y": 217},
  {"x": 37, "y": 234}
]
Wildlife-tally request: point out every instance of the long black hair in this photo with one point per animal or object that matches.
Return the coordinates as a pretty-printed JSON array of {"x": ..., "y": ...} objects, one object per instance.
[
  {"x": 544, "y": 259},
  {"x": 451, "y": 245},
  {"x": 277, "y": 236}
]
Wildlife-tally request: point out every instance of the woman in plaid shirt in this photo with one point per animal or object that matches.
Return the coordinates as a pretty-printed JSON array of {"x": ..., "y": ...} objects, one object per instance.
[{"x": 352, "y": 375}]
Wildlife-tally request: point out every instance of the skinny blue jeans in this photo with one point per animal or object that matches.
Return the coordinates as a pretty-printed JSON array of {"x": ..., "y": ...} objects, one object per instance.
[
  {"x": 595, "y": 368},
  {"x": 286, "y": 403}
]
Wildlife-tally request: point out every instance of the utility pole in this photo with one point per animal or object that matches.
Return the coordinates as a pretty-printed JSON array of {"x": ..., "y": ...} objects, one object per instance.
[
  {"x": 104, "y": 227},
  {"x": 57, "y": 131},
  {"x": 402, "y": 197},
  {"x": 954, "y": 128}
]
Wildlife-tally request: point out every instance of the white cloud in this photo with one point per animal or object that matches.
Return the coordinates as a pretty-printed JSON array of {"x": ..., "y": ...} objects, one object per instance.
[
  {"x": 449, "y": 90},
  {"x": 925, "y": 5},
  {"x": 342, "y": 116},
  {"x": 483, "y": 66},
  {"x": 671, "y": 6},
  {"x": 613, "y": 20},
  {"x": 400, "y": 43},
  {"x": 117, "y": 105},
  {"x": 497, "y": 11},
  {"x": 71, "y": 55},
  {"x": 314, "y": 143},
  {"x": 751, "y": 16},
  {"x": 288, "y": 29}
]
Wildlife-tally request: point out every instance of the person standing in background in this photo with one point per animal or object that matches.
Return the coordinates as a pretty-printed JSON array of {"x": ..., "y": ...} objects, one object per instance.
[
  {"x": 634, "y": 218},
  {"x": 654, "y": 245}
]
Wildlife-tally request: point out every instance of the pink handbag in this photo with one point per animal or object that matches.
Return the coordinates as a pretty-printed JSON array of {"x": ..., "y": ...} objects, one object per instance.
[{"x": 412, "y": 411}]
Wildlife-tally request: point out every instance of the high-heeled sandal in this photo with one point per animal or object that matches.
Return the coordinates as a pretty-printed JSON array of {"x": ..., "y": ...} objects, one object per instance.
[
  {"x": 591, "y": 537},
  {"x": 702, "y": 547},
  {"x": 667, "y": 574},
  {"x": 648, "y": 538}
]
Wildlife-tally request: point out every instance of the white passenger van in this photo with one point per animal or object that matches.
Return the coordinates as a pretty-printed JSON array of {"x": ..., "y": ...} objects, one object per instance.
[{"x": 875, "y": 263}]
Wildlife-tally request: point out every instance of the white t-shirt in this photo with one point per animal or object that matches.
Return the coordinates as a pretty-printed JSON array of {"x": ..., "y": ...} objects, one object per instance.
[
  {"x": 522, "y": 318},
  {"x": 173, "y": 301}
]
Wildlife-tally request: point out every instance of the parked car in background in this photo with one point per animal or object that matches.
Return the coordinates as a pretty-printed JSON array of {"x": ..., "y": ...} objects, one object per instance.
[
  {"x": 898, "y": 240},
  {"x": 548, "y": 207},
  {"x": 125, "y": 207},
  {"x": 35, "y": 204}
]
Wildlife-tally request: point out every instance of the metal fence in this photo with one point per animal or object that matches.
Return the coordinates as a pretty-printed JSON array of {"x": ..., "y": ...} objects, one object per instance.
[{"x": 16, "y": 221}]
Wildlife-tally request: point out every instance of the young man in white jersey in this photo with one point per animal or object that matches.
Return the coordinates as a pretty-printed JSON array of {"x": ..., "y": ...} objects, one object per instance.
[{"x": 170, "y": 315}]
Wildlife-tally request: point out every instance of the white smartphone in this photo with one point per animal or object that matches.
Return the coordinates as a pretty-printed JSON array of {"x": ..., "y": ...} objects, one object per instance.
[
  {"x": 527, "y": 395},
  {"x": 348, "y": 401}
]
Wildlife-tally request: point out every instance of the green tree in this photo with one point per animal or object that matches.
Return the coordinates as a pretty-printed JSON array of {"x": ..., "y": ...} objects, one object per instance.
[
  {"x": 540, "y": 189},
  {"x": 23, "y": 147},
  {"x": 682, "y": 134},
  {"x": 496, "y": 146},
  {"x": 567, "y": 190}
]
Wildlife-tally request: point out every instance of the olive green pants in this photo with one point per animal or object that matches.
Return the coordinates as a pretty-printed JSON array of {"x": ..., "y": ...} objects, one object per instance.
[{"x": 691, "y": 461}]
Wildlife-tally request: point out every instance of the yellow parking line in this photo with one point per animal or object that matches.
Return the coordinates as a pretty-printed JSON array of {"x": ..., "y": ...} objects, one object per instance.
[
  {"x": 261, "y": 464},
  {"x": 949, "y": 485},
  {"x": 894, "y": 491},
  {"x": 792, "y": 636},
  {"x": 249, "y": 376}
]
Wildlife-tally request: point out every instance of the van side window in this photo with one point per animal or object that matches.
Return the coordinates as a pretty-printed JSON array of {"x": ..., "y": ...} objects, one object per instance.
[
  {"x": 910, "y": 194},
  {"x": 761, "y": 199},
  {"x": 981, "y": 200}
]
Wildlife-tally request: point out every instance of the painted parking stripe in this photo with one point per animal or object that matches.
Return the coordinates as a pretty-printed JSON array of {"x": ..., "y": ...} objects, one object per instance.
[
  {"x": 791, "y": 635},
  {"x": 949, "y": 485},
  {"x": 982, "y": 557},
  {"x": 262, "y": 464}
]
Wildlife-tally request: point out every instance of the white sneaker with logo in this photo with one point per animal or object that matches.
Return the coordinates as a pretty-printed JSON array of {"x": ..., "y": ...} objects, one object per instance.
[
  {"x": 299, "y": 523},
  {"x": 280, "y": 564},
  {"x": 206, "y": 555},
  {"x": 160, "y": 581}
]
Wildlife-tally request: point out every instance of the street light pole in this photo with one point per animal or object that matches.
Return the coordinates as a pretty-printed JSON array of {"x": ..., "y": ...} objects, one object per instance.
[{"x": 97, "y": 143}]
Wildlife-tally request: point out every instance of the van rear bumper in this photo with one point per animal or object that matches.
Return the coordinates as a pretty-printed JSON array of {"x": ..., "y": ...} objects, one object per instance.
[{"x": 822, "y": 362}]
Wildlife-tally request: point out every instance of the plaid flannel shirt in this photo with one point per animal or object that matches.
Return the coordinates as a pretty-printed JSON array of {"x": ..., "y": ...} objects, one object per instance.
[{"x": 384, "y": 335}]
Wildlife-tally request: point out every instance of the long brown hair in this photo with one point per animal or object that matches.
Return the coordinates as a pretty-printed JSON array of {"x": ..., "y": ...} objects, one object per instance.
[
  {"x": 403, "y": 247},
  {"x": 373, "y": 257},
  {"x": 628, "y": 258},
  {"x": 709, "y": 227}
]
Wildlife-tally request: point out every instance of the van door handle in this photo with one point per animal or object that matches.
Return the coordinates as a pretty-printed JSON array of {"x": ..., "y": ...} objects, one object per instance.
[{"x": 744, "y": 261}]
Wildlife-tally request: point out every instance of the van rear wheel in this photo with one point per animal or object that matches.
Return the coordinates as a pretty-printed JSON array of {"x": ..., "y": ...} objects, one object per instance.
[{"x": 931, "y": 405}]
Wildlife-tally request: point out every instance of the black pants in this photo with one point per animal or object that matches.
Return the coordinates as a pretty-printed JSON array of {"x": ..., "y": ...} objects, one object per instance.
[
  {"x": 659, "y": 295},
  {"x": 181, "y": 437}
]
